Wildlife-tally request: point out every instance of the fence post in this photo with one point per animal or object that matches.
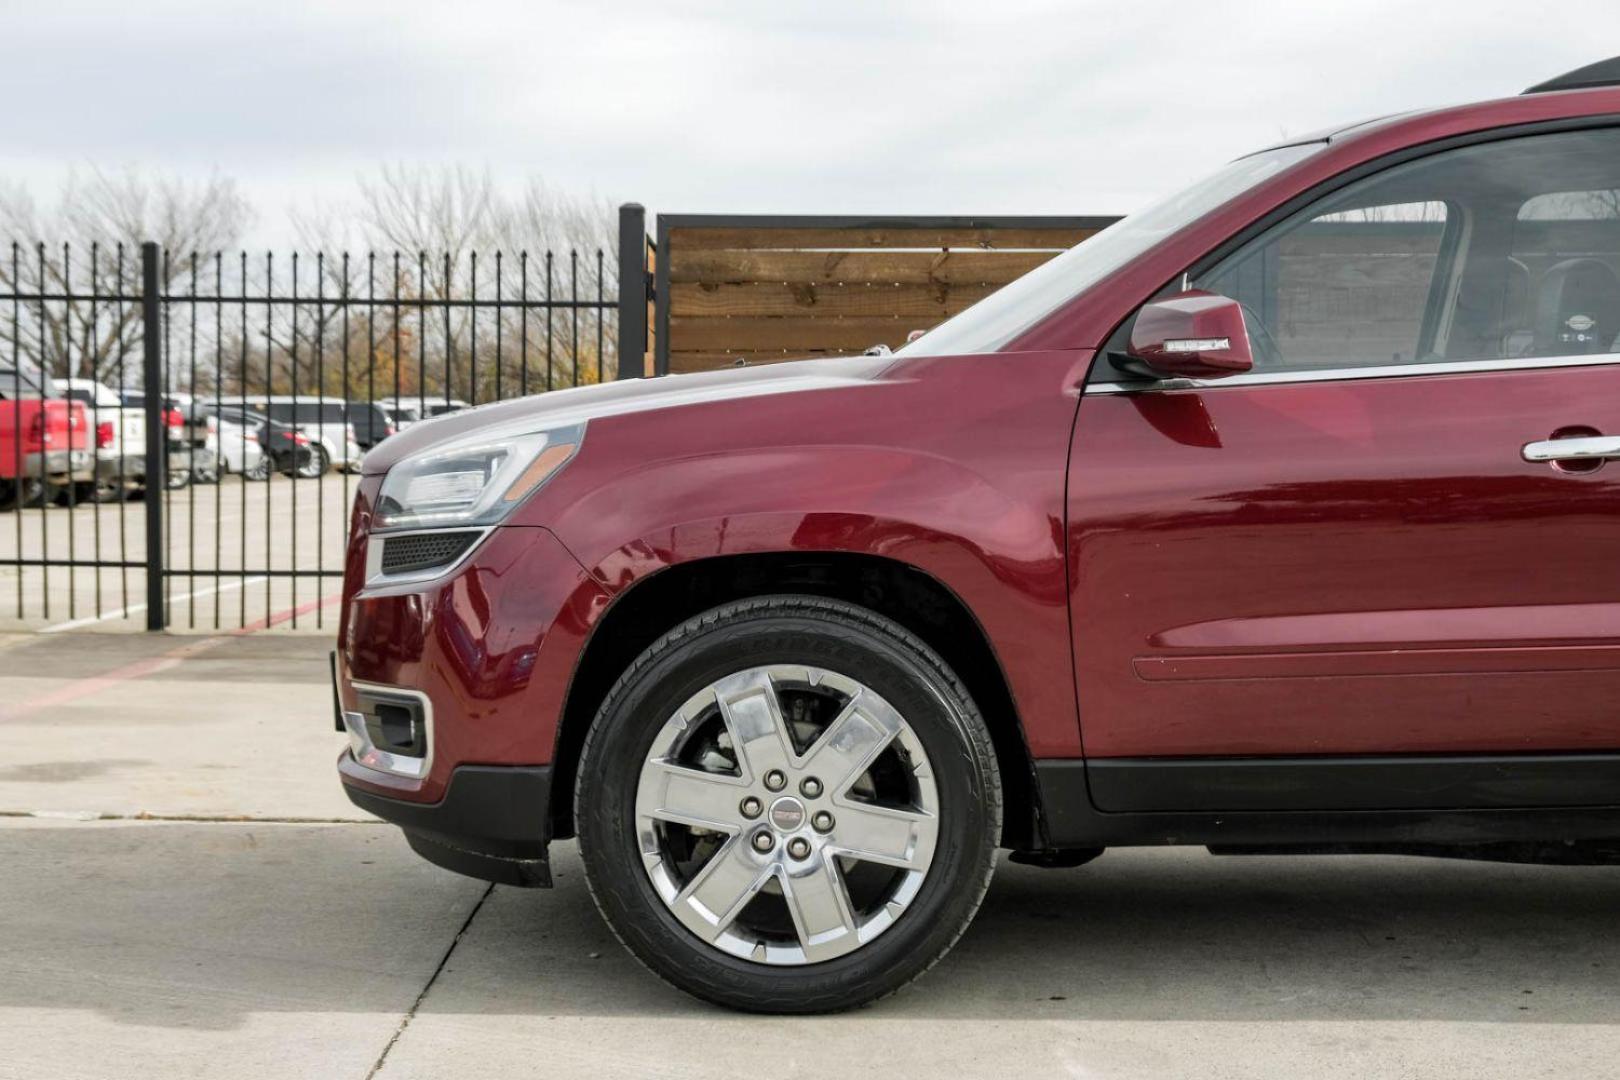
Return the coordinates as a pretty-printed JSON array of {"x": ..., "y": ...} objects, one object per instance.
[
  {"x": 157, "y": 435},
  {"x": 633, "y": 290}
]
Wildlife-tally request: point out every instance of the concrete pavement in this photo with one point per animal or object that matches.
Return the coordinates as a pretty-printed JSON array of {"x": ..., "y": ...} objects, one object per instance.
[
  {"x": 257, "y": 943},
  {"x": 183, "y": 949},
  {"x": 134, "y": 724}
]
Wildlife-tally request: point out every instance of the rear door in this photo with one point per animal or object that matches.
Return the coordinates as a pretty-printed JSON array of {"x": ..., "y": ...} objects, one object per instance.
[{"x": 1337, "y": 582}]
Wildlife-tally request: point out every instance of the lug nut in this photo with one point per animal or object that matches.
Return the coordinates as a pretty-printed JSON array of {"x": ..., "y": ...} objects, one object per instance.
[
  {"x": 799, "y": 847},
  {"x": 751, "y": 807},
  {"x": 810, "y": 788},
  {"x": 776, "y": 780},
  {"x": 763, "y": 841},
  {"x": 822, "y": 821}
]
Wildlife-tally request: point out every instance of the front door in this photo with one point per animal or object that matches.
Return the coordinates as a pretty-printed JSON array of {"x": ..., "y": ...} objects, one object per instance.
[{"x": 1350, "y": 578}]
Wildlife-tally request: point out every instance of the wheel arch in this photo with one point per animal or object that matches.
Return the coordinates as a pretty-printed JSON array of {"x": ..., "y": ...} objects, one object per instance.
[{"x": 911, "y": 597}]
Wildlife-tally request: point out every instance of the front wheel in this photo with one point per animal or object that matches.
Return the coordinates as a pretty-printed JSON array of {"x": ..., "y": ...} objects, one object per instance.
[
  {"x": 788, "y": 804},
  {"x": 314, "y": 464}
]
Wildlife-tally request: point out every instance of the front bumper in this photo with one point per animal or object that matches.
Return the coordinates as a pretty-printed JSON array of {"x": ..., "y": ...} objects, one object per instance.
[
  {"x": 60, "y": 466},
  {"x": 493, "y": 822},
  {"x": 490, "y": 649},
  {"x": 128, "y": 468},
  {"x": 452, "y": 691}
]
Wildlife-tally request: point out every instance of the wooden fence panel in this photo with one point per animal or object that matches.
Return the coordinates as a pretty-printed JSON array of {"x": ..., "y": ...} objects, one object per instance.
[
  {"x": 833, "y": 267},
  {"x": 740, "y": 289}
]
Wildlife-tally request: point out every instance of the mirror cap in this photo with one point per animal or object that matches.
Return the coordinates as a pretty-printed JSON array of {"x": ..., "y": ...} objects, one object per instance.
[{"x": 1196, "y": 334}]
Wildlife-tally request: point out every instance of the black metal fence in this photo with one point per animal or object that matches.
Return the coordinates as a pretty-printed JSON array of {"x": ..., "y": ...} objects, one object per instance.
[{"x": 258, "y": 381}]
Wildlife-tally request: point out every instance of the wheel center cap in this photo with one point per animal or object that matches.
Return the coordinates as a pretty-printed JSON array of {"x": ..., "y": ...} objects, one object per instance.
[{"x": 787, "y": 814}]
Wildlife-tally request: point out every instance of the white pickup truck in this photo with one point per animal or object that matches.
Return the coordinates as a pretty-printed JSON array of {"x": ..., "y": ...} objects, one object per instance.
[{"x": 120, "y": 441}]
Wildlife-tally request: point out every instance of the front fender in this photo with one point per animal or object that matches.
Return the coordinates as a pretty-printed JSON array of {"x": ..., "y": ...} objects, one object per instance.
[{"x": 970, "y": 495}]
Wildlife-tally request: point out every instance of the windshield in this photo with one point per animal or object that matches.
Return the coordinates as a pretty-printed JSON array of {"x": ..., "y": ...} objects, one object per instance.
[
  {"x": 26, "y": 380},
  {"x": 1002, "y": 316}
]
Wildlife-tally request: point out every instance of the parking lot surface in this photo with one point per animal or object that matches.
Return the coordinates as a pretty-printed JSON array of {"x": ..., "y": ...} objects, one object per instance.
[
  {"x": 220, "y": 540},
  {"x": 187, "y": 893}
]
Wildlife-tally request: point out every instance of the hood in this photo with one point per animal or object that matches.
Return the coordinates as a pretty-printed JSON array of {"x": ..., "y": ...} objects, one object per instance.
[{"x": 561, "y": 407}]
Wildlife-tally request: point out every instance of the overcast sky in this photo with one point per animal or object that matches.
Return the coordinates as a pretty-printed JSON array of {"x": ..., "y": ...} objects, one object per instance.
[{"x": 908, "y": 107}]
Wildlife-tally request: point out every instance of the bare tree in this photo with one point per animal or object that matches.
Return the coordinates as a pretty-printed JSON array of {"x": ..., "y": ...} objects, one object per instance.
[
  {"x": 458, "y": 237},
  {"x": 544, "y": 219},
  {"x": 447, "y": 212},
  {"x": 88, "y": 241}
]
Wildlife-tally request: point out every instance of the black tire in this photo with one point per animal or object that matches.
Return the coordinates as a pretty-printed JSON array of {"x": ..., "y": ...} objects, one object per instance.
[
  {"x": 855, "y": 643},
  {"x": 261, "y": 469},
  {"x": 26, "y": 494},
  {"x": 175, "y": 479},
  {"x": 315, "y": 465},
  {"x": 97, "y": 491}
]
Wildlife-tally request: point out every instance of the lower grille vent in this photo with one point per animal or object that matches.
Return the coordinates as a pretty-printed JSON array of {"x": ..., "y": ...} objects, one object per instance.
[{"x": 424, "y": 551}]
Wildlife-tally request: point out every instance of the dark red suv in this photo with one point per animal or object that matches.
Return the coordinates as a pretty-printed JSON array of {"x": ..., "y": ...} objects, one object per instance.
[{"x": 1274, "y": 518}]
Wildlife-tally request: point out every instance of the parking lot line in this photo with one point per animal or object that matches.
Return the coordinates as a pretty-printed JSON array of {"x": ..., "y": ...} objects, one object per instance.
[
  {"x": 92, "y": 684},
  {"x": 288, "y": 613},
  {"x": 125, "y": 612}
]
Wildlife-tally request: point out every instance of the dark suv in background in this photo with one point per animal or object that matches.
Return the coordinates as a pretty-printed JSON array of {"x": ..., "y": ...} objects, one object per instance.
[{"x": 371, "y": 422}]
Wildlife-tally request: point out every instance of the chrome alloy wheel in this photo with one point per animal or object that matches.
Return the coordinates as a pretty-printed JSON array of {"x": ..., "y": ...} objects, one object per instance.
[{"x": 787, "y": 814}]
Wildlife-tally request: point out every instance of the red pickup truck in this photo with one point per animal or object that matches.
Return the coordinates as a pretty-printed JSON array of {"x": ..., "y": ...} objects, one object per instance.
[{"x": 44, "y": 439}]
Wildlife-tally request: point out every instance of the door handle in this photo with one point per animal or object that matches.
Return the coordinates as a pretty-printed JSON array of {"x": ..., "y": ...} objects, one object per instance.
[{"x": 1585, "y": 449}]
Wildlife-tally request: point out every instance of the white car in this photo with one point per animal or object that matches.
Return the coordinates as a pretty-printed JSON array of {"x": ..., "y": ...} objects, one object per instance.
[
  {"x": 322, "y": 420},
  {"x": 233, "y": 446},
  {"x": 407, "y": 409}
]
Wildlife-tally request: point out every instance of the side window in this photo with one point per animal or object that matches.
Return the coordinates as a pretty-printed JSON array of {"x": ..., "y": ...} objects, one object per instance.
[
  {"x": 1341, "y": 287},
  {"x": 281, "y": 410},
  {"x": 333, "y": 414},
  {"x": 1500, "y": 250}
]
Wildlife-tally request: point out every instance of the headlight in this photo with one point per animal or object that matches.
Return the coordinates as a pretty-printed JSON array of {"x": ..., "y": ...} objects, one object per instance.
[{"x": 477, "y": 479}]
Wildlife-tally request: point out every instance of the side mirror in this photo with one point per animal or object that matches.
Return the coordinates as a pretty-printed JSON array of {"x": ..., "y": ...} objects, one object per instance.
[{"x": 1197, "y": 334}]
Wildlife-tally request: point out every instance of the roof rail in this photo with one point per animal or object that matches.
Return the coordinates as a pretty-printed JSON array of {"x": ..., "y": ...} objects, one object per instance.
[{"x": 1602, "y": 73}]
